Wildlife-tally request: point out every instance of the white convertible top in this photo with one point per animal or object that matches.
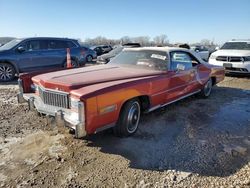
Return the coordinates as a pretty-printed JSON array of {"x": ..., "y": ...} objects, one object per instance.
[
  {"x": 162, "y": 49},
  {"x": 166, "y": 49}
]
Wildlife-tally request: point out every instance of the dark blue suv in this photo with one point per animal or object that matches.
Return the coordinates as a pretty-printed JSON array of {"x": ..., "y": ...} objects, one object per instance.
[{"x": 40, "y": 53}]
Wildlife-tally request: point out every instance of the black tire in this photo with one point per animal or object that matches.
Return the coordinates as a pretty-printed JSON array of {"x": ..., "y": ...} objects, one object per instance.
[
  {"x": 73, "y": 63},
  {"x": 129, "y": 119},
  {"x": 7, "y": 72},
  {"x": 89, "y": 58},
  {"x": 206, "y": 90}
]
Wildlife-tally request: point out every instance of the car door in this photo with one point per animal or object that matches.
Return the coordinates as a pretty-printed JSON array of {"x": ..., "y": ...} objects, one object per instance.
[
  {"x": 55, "y": 53},
  {"x": 182, "y": 75},
  {"x": 28, "y": 58}
]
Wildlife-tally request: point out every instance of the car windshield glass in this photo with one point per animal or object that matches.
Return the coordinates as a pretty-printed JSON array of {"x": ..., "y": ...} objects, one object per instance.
[
  {"x": 116, "y": 51},
  {"x": 236, "y": 46},
  {"x": 10, "y": 44},
  {"x": 146, "y": 59}
]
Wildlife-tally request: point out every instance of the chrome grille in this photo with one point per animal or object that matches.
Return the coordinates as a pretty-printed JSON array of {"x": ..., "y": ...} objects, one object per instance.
[
  {"x": 54, "y": 98},
  {"x": 221, "y": 58}
]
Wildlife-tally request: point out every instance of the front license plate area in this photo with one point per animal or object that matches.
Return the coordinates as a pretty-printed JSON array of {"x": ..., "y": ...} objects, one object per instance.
[{"x": 227, "y": 65}]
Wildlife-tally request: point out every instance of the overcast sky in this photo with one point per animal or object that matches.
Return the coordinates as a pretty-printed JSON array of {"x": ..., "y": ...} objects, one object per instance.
[{"x": 181, "y": 20}]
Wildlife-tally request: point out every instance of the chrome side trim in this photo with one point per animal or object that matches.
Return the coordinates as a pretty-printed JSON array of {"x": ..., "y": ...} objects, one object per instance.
[
  {"x": 162, "y": 105},
  {"x": 165, "y": 91},
  {"x": 105, "y": 127}
]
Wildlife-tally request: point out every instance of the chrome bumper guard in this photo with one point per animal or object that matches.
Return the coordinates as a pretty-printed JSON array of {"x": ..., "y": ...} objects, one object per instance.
[{"x": 56, "y": 116}]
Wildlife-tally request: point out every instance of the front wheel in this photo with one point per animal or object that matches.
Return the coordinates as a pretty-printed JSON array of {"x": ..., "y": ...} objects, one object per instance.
[
  {"x": 7, "y": 72},
  {"x": 206, "y": 90},
  {"x": 129, "y": 119}
]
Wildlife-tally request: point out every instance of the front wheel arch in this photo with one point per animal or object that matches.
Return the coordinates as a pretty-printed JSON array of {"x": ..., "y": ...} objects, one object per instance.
[
  {"x": 119, "y": 129},
  {"x": 12, "y": 64}
]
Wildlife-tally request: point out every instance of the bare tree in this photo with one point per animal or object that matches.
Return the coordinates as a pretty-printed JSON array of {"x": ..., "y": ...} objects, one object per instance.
[
  {"x": 161, "y": 40},
  {"x": 125, "y": 39},
  {"x": 143, "y": 40},
  {"x": 206, "y": 42}
]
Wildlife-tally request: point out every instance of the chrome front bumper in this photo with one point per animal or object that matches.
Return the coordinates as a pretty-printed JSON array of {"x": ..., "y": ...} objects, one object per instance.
[{"x": 58, "y": 117}]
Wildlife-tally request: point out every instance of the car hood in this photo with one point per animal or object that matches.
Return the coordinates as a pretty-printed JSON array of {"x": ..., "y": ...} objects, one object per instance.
[
  {"x": 72, "y": 79},
  {"x": 3, "y": 51},
  {"x": 105, "y": 56},
  {"x": 232, "y": 53}
]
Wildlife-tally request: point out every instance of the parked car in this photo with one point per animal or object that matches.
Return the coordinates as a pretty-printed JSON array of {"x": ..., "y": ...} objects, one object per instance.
[
  {"x": 234, "y": 56},
  {"x": 102, "y": 49},
  {"x": 202, "y": 51},
  {"x": 105, "y": 58},
  {"x": 33, "y": 54},
  {"x": 89, "y": 54},
  {"x": 138, "y": 80}
]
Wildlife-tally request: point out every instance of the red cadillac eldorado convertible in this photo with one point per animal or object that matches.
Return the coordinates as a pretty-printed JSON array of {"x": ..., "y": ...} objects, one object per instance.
[{"x": 138, "y": 80}]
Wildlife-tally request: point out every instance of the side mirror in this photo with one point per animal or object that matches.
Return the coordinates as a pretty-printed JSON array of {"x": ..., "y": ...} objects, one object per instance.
[
  {"x": 20, "y": 49},
  {"x": 180, "y": 67},
  {"x": 197, "y": 50},
  {"x": 217, "y": 48}
]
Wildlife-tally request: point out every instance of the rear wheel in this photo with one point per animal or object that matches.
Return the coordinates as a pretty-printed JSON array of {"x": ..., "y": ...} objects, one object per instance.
[
  {"x": 129, "y": 119},
  {"x": 89, "y": 58},
  {"x": 206, "y": 91},
  {"x": 7, "y": 72}
]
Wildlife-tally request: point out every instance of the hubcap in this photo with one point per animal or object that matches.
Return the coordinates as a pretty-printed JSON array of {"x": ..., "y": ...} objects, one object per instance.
[
  {"x": 73, "y": 63},
  {"x": 208, "y": 88},
  {"x": 5, "y": 72},
  {"x": 133, "y": 117},
  {"x": 89, "y": 58}
]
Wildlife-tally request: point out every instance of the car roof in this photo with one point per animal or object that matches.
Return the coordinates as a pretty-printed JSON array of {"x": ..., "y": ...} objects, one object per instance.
[
  {"x": 50, "y": 38},
  {"x": 239, "y": 40},
  {"x": 166, "y": 49},
  {"x": 160, "y": 49}
]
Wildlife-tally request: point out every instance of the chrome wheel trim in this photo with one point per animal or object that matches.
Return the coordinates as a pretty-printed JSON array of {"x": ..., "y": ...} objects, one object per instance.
[
  {"x": 208, "y": 87},
  {"x": 89, "y": 58},
  {"x": 74, "y": 64},
  {"x": 6, "y": 72},
  {"x": 133, "y": 117}
]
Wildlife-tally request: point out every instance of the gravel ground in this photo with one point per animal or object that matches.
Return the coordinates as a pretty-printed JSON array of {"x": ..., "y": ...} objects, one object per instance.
[{"x": 193, "y": 143}]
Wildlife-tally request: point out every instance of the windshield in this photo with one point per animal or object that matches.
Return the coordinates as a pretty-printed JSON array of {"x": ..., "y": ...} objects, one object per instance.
[
  {"x": 10, "y": 44},
  {"x": 116, "y": 51},
  {"x": 146, "y": 59},
  {"x": 236, "y": 46}
]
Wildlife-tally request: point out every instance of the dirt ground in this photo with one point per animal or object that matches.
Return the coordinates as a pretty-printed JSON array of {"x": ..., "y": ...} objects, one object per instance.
[{"x": 193, "y": 143}]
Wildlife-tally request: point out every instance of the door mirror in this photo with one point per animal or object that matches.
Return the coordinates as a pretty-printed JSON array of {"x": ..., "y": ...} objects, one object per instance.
[
  {"x": 20, "y": 49},
  {"x": 217, "y": 48},
  {"x": 180, "y": 67}
]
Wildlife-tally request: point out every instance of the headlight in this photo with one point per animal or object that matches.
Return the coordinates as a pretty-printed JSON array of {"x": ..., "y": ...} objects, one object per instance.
[
  {"x": 74, "y": 103},
  {"x": 34, "y": 87},
  {"x": 77, "y": 107}
]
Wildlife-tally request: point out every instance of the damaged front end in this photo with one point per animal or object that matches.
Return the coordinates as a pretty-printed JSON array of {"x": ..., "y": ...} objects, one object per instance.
[{"x": 60, "y": 109}]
